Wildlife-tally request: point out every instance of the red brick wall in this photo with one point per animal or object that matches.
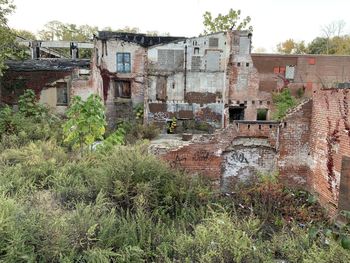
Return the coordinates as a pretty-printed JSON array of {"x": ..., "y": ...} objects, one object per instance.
[
  {"x": 206, "y": 156},
  {"x": 36, "y": 80},
  {"x": 325, "y": 71},
  {"x": 329, "y": 142},
  {"x": 294, "y": 149}
]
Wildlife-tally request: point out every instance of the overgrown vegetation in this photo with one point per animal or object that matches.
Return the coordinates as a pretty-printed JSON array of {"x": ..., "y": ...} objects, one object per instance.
[
  {"x": 120, "y": 204},
  {"x": 283, "y": 101},
  {"x": 86, "y": 122}
]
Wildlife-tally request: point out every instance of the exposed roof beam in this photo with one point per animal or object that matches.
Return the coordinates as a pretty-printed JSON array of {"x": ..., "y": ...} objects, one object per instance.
[{"x": 57, "y": 44}]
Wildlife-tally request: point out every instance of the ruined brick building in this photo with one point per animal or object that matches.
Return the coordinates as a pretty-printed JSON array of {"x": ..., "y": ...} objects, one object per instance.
[{"x": 215, "y": 79}]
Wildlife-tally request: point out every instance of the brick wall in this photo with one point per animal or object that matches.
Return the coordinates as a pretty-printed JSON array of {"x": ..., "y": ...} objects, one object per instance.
[
  {"x": 329, "y": 143},
  {"x": 209, "y": 156},
  {"x": 311, "y": 147},
  {"x": 105, "y": 74},
  {"x": 311, "y": 71},
  {"x": 294, "y": 148},
  {"x": 15, "y": 82}
]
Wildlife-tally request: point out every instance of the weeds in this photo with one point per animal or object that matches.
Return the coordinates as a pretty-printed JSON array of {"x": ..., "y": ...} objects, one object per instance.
[{"x": 121, "y": 204}]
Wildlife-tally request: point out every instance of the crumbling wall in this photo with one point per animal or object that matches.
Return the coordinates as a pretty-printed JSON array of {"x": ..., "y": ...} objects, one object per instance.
[
  {"x": 188, "y": 79},
  {"x": 106, "y": 75},
  {"x": 246, "y": 158},
  {"x": 42, "y": 82},
  {"x": 248, "y": 147},
  {"x": 243, "y": 81},
  {"x": 330, "y": 143},
  {"x": 294, "y": 160}
]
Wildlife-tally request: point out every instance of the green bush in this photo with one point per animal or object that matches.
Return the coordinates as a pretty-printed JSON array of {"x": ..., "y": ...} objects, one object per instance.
[
  {"x": 86, "y": 122},
  {"x": 283, "y": 101},
  {"x": 29, "y": 106}
]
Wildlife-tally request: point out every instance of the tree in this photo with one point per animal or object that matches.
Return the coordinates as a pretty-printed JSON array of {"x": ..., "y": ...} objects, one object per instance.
[
  {"x": 292, "y": 47},
  {"x": 86, "y": 121},
  {"x": 6, "y": 37},
  {"x": 230, "y": 21},
  {"x": 331, "y": 30},
  {"x": 318, "y": 46},
  {"x": 25, "y": 34}
]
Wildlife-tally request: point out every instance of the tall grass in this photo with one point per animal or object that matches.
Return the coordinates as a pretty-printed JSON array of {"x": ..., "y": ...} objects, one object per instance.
[{"x": 124, "y": 205}]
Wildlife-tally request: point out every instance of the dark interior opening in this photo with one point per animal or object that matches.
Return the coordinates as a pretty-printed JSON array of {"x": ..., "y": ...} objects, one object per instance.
[
  {"x": 236, "y": 113},
  {"x": 122, "y": 89},
  {"x": 261, "y": 115}
]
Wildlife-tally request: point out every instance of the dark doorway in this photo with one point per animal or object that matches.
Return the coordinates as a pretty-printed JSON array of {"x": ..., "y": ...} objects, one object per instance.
[{"x": 236, "y": 113}]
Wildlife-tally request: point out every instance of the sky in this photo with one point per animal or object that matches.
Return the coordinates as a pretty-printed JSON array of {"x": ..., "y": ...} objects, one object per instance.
[{"x": 273, "y": 20}]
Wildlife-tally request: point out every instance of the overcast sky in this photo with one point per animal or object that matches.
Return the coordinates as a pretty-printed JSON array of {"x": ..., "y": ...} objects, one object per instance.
[{"x": 273, "y": 20}]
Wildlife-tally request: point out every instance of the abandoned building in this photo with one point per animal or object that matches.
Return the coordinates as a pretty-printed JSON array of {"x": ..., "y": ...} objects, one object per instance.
[
  {"x": 214, "y": 79},
  {"x": 54, "y": 81}
]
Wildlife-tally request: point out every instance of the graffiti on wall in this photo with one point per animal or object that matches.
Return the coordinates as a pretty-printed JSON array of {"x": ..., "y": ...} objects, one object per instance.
[
  {"x": 244, "y": 162},
  {"x": 237, "y": 157},
  {"x": 201, "y": 155}
]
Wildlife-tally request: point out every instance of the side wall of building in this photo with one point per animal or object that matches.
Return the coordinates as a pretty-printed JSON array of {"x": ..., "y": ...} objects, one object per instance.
[
  {"x": 300, "y": 73},
  {"x": 330, "y": 144},
  {"x": 122, "y": 90},
  {"x": 294, "y": 160},
  {"x": 244, "y": 93},
  {"x": 186, "y": 79},
  {"x": 46, "y": 85}
]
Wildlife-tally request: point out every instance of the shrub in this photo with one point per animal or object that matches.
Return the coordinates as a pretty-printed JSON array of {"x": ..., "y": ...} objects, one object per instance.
[
  {"x": 86, "y": 122},
  {"x": 283, "y": 101},
  {"x": 28, "y": 105},
  {"x": 10, "y": 123}
]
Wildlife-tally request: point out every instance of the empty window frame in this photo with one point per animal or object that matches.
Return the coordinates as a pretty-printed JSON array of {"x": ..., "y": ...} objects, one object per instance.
[
  {"x": 122, "y": 89},
  {"x": 61, "y": 94},
  {"x": 196, "y": 50},
  {"x": 261, "y": 114},
  {"x": 236, "y": 113},
  {"x": 290, "y": 71},
  {"x": 123, "y": 63}
]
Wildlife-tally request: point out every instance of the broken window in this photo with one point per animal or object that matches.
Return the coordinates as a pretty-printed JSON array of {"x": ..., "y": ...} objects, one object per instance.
[
  {"x": 123, "y": 62},
  {"x": 290, "y": 70},
  {"x": 196, "y": 50},
  {"x": 62, "y": 94},
  {"x": 261, "y": 114},
  {"x": 122, "y": 89}
]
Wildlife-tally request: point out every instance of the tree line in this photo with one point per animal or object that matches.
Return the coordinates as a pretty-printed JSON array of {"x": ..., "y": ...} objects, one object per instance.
[{"x": 333, "y": 41}]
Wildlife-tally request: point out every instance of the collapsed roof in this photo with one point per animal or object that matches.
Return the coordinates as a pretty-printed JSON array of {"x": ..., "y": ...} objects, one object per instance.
[
  {"x": 48, "y": 64},
  {"x": 140, "y": 39}
]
